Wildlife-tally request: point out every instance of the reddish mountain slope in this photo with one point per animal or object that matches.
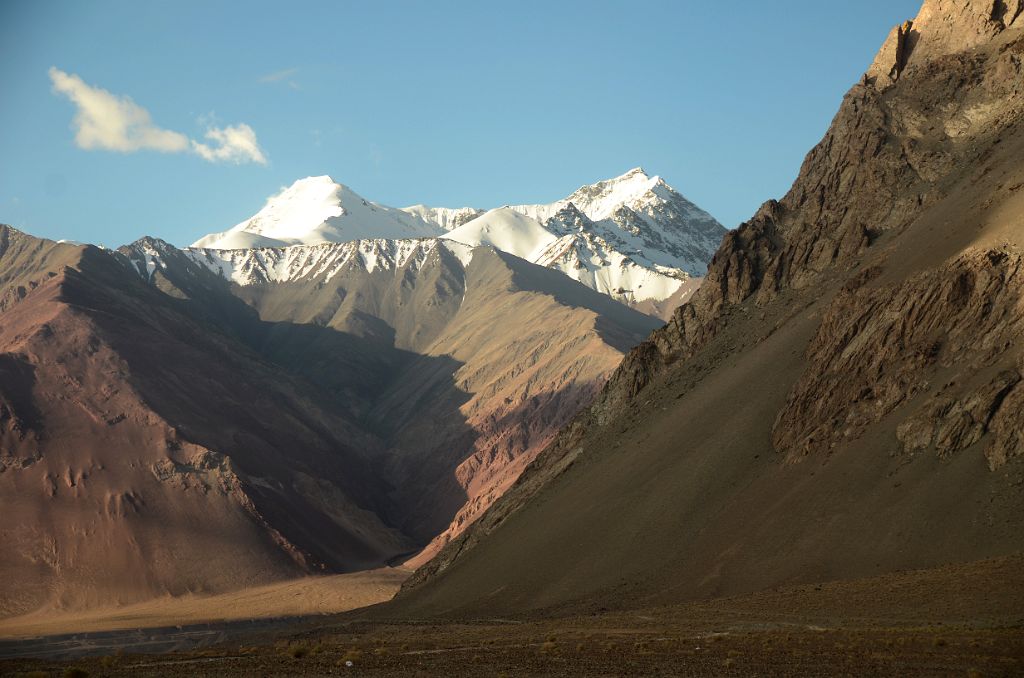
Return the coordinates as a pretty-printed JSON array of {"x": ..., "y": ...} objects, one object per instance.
[{"x": 178, "y": 434}]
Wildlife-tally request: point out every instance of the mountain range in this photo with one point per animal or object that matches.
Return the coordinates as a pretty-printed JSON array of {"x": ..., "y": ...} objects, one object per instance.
[
  {"x": 633, "y": 238},
  {"x": 332, "y": 385},
  {"x": 601, "y": 414}
]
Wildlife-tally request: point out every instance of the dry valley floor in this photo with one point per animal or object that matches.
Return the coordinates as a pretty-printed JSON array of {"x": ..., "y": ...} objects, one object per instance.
[{"x": 959, "y": 620}]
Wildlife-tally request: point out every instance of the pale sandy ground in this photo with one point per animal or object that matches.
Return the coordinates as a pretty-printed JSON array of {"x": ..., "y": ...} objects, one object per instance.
[{"x": 306, "y": 596}]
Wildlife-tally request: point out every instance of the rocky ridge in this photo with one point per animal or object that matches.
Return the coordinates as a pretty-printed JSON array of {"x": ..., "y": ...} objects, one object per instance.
[{"x": 633, "y": 238}]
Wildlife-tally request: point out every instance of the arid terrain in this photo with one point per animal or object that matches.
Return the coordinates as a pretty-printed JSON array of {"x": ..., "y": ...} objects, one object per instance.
[
  {"x": 168, "y": 437},
  {"x": 816, "y": 467},
  {"x": 957, "y": 620},
  {"x": 841, "y": 396},
  {"x": 309, "y": 596}
]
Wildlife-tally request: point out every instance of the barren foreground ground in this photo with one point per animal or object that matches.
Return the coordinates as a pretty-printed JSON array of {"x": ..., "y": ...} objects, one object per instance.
[
  {"x": 297, "y": 598},
  {"x": 965, "y": 620}
]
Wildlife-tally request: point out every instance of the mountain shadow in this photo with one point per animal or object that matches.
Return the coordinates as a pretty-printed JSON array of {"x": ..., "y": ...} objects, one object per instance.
[{"x": 278, "y": 398}]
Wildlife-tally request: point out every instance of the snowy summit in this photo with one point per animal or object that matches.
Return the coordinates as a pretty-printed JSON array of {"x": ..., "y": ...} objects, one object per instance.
[
  {"x": 317, "y": 210},
  {"x": 633, "y": 237}
]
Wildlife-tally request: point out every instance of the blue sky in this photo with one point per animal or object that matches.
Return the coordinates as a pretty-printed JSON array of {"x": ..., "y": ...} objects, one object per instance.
[{"x": 441, "y": 102}]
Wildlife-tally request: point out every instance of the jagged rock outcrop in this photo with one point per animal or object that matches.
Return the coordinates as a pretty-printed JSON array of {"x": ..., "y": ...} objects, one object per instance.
[
  {"x": 892, "y": 58},
  {"x": 952, "y": 421},
  {"x": 942, "y": 27},
  {"x": 948, "y": 26},
  {"x": 879, "y": 346}
]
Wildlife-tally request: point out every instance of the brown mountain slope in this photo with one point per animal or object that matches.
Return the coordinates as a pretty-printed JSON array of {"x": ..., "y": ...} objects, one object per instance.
[
  {"x": 478, "y": 365},
  {"x": 841, "y": 396},
  {"x": 158, "y": 436},
  {"x": 131, "y": 469},
  {"x": 534, "y": 348}
]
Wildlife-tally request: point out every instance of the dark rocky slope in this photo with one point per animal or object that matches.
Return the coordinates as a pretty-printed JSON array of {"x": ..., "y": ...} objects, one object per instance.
[{"x": 840, "y": 397}]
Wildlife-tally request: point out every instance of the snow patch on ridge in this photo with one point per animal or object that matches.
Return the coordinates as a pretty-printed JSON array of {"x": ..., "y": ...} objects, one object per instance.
[
  {"x": 506, "y": 230},
  {"x": 322, "y": 261},
  {"x": 446, "y": 218},
  {"x": 598, "y": 201},
  {"x": 590, "y": 261}
]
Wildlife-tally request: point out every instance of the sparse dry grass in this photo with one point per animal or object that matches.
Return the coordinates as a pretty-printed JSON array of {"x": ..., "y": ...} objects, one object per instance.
[
  {"x": 298, "y": 651},
  {"x": 352, "y": 655}
]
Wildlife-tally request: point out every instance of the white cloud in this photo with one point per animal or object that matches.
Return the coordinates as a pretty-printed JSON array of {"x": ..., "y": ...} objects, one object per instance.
[
  {"x": 113, "y": 123},
  {"x": 234, "y": 143},
  {"x": 110, "y": 122}
]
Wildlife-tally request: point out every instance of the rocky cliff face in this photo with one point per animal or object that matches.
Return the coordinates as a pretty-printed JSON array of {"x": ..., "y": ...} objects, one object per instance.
[
  {"x": 900, "y": 241},
  {"x": 945, "y": 27},
  {"x": 942, "y": 27},
  {"x": 944, "y": 336}
]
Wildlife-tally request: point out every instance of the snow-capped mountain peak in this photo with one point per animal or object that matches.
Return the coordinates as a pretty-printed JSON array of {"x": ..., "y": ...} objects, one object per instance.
[
  {"x": 317, "y": 210},
  {"x": 632, "y": 237},
  {"x": 641, "y": 216},
  {"x": 599, "y": 201}
]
